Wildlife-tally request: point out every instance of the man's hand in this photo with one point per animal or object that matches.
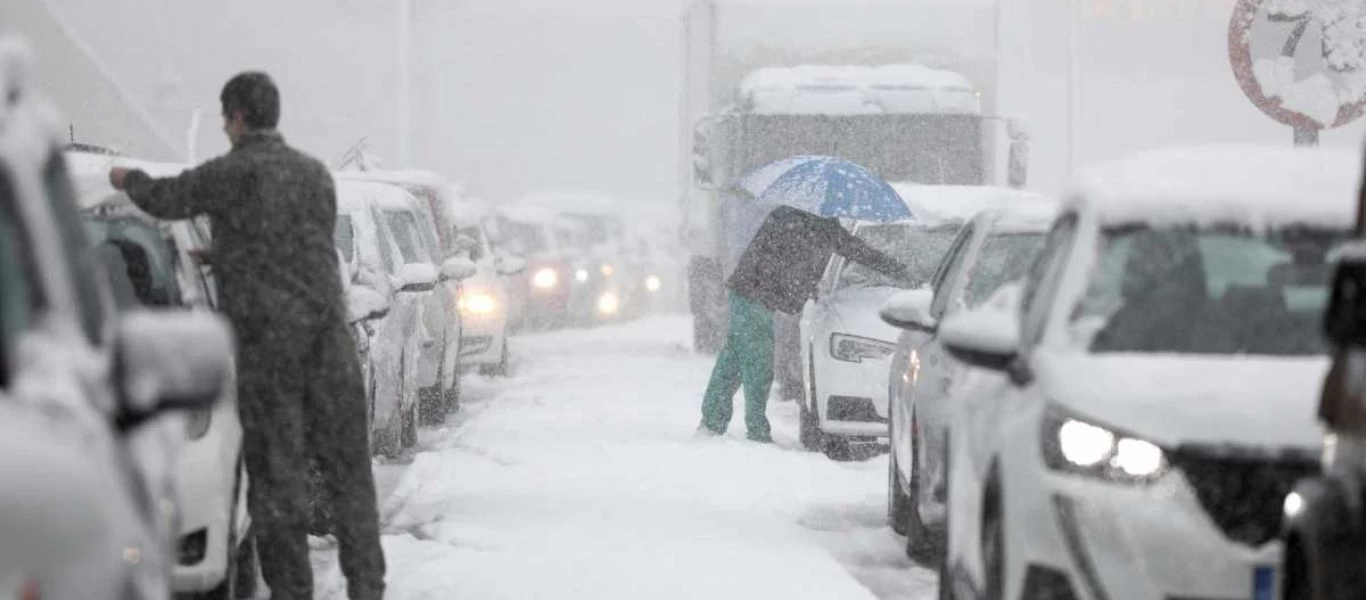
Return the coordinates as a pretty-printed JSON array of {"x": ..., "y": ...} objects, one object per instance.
[
  {"x": 201, "y": 256},
  {"x": 117, "y": 175}
]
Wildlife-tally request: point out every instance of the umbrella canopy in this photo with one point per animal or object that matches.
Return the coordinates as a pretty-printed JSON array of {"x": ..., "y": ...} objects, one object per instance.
[{"x": 826, "y": 186}]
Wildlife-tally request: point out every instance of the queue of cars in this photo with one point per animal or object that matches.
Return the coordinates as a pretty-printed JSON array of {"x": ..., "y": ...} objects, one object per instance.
[{"x": 1113, "y": 396}]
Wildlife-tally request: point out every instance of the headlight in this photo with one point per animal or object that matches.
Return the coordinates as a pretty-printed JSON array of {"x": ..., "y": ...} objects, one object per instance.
[
  {"x": 608, "y": 304},
  {"x": 545, "y": 278},
  {"x": 1073, "y": 445},
  {"x": 197, "y": 423},
  {"x": 653, "y": 283},
  {"x": 851, "y": 348},
  {"x": 477, "y": 303},
  {"x": 607, "y": 270},
  {"x": 581, "y": 275}
]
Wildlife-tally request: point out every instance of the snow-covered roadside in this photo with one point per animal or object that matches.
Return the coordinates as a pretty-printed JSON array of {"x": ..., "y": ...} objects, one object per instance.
[{"x": 579, "y": 478}]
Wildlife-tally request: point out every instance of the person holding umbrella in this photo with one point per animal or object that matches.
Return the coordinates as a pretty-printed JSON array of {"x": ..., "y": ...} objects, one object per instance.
[{"x": 781, "y": 267}]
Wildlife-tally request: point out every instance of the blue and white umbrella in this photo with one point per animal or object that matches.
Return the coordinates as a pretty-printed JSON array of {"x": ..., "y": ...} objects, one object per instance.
[{"x": 826, "y": 186}]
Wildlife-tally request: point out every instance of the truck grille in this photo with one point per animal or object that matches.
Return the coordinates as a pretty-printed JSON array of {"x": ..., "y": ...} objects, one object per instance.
[{"x": 1243, "y": 493}]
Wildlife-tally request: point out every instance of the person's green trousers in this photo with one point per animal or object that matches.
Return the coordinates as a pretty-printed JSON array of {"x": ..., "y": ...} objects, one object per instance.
[{"x": 746, "y": 359}]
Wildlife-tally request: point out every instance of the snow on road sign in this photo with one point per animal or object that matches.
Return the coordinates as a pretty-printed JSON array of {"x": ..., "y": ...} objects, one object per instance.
[{"x": 1301, "y": 61}]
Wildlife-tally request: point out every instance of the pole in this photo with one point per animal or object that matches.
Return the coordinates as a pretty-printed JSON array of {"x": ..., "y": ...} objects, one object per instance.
[
  {"x": 1072, "y": 86},
  {"x": 403, "y": 59}
]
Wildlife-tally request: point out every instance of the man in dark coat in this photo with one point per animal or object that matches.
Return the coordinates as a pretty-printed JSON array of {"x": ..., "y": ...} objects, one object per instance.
[
  {"x": 778, "y": 272},
  {"x": 272, "y": 210}
]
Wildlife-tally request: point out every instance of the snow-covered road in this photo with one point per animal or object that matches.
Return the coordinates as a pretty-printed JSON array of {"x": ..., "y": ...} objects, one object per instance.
[{"x": 579, "y": 477}]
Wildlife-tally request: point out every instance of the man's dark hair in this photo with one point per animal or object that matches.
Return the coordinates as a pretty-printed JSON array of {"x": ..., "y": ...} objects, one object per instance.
[{"x": 254, "y": 95}]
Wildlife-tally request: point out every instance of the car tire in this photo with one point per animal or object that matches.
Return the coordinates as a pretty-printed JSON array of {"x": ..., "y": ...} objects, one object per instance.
[
  {"x": 897, "y": 502},
  {"x": 410, "y": 421},
  {"x": 1298, "y": 583},
  {"x": 993, "y": 548},
  {"x": 923, "y": 544},
  {"x": 809, "y": 432},
  {"x": 837, "y": 448},
  {"x": 450, "y": 399},
  {"x": 500, "y": 369}
]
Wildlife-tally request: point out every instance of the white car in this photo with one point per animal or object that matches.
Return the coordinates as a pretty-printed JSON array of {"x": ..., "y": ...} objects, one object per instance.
[
  {"x": 994, "y": 249},
  {"x": 1154, "y": 391},
  {"x": 87, "y": 475},
  {"x": 374, "y": 263},
  {"x": 215, "y": 552},
  {"x": 414, "y": 231},
  {"x": 483, "y": 297}
]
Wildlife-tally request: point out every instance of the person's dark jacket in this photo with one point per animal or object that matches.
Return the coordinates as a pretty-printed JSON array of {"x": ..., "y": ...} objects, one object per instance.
[
  {"x": 272, "y": 210},
  {"x": 784, "y": 262}
]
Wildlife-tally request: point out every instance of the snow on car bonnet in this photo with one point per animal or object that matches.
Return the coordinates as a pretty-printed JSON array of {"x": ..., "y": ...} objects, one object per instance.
[{"x": 1260, "y": 186}]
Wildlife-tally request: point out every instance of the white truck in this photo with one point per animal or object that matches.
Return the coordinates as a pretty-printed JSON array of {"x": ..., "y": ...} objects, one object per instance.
[{"x": 903, "y": 87}]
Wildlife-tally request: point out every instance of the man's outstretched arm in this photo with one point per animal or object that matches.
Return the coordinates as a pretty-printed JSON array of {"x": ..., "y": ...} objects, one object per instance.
[
  {"x": 860, "y": 252},
  {"x": 197, "y": 191}
]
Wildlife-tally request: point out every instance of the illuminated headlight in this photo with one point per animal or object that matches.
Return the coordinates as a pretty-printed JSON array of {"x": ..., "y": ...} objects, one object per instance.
[
  {"x": 851, "y": 348},
  {"x": 581, "y": 275},
  {"x": 477, "y": 303},
  {"x": 653, "y": 283},
  {"x": 197, "y": 423},
  {"x": 545, "y": 278},
  {"x": 1294, "y": 505},
  {"x": 1073, "y": 445},
  {"x": 607, "y": 270},
  {"x": 608, "y": 304}
]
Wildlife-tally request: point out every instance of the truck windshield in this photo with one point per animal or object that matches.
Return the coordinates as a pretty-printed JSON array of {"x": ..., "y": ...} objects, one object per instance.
[{"x": 932, "y": 149}]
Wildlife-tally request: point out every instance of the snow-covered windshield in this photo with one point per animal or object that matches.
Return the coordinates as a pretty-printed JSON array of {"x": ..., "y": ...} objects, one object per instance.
[
  {"x": 1219, "y": 290},
  {"x": 521, "y": 238},
  {"x": 1003, "y": 258},
  {"x": 139, "y": 260},
  {"x": 920, "y": 249},
  {"x": 405, "y": 230},
  {"x": 931, "y": 149}
]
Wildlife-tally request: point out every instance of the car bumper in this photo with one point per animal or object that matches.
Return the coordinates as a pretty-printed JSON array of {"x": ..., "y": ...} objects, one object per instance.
[
  {"x": 483, "y": 340},
  {"x": 1114, "y": 540},
  {"x": 206, "y": 481},
  {"x": 853, "y": 397}
]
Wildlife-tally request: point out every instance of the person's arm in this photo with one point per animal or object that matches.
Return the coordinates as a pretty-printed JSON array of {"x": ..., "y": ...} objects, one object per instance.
[
  {"x": 857, "y": 250},
  {"x": 197, "y": 191}
]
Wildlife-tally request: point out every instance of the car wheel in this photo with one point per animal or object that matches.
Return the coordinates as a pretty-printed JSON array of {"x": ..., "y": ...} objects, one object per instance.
[
  {"x": 896, "y": 500},
  {"x": 809, "y": 433},
  {"x": 837, "y": 447},
  {"x": 922, "y": 543},
  {"x": 993, "y": 549},
  {"x": 411, "y": 418},
  {"x": 450, "y": 399},
  {"x": 500, "y": 369},
  {"x": 1297, "y": 582}
]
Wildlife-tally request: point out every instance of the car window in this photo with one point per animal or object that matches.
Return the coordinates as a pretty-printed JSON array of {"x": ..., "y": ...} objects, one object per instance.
[
  {"x": 1213, "y": 290},
  {"x": 1042, "y": 274},
  {"x": 344, "y": 236},
  {"x": 525, "y": 239},
  {"x": 1003, "y": 258},
  {"x": 947, "y": 275},
  {"x": 386, "y": 243},
  {"x": 920, "y": 249},
  {"x": 476, "y": 234},
  {"x": 82, "y": 259},
  {"x": 21, "y": 295},
  {"x": 404, "y": 229}
]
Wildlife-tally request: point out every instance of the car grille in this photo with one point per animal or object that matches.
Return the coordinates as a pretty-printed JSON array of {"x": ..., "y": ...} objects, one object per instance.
[
  {"x": 853, "y": 409},
  {"x": 1243, "y": 491}
]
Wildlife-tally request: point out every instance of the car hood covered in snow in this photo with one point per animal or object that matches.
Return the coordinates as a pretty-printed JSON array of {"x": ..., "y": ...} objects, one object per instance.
[
  {"x": 1178, "y": 399},
  {"x": 854, "y": 311}
]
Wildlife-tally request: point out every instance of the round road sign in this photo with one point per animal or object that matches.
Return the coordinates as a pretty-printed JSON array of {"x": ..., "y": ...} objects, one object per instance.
[{"x": 1302, "y": 62}]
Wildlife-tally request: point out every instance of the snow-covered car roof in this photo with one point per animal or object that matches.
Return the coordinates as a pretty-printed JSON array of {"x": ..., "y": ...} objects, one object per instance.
[
  {"x": 1259, "y": 186},
  {"x": 413, "y": 177},
  {"x": 567, "y": 201},
  {"x": 1029, "y": 217},
  {"x": 355, "y": 196},
  {"x": 90, "y": 174},
  {"x": 858, "y": 90},
  {"x": 392, "y": 197},
  {"x": 530, "y": 214},
  {"x": 941, "y": 204}
]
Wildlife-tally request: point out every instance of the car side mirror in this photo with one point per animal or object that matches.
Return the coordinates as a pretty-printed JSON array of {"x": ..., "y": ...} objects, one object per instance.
[
  {"x": 170, "y": 360},
  {"x": 365, "y": 304},
  {"x": 511, "y": 265},
  {"x": 985, "y": 338},
  {"x": 417, "y": 277},
  {"x": 458, "y": 268},
  {"x": 910, "y": 310}
]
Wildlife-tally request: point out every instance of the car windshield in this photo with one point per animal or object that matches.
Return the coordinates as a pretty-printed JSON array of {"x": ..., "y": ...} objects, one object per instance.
[
  {"x": 919, "y": 248},
  {"x": 523, "y": 238},
  {"x": 1003, "y": 258},
  {"x": 1218, "y": 290},
  {"x": 139, "y": 260},
  {"x": 344, "y": 235},
  {"x": 404, "y": 228}
]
